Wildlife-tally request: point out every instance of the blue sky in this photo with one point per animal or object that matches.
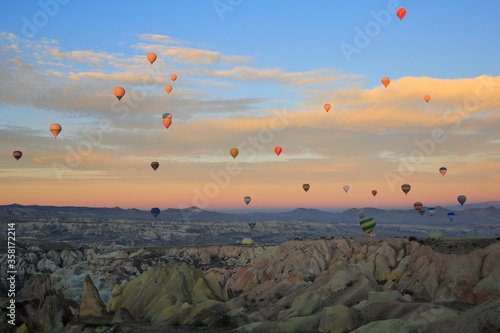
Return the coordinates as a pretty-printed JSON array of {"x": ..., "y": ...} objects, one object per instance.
[{"x": 237, "y": 65}]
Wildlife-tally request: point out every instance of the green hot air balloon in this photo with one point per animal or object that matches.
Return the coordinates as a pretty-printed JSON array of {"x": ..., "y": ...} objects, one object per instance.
[
  {"x": 367, "y": 224},
  {"x": 435, "y": 234}
]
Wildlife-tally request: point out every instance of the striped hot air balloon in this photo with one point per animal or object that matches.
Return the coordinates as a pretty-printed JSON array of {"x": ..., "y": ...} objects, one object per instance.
[
  {"x": 367, "y": 224},
  {"x": 406, "y": 188}
]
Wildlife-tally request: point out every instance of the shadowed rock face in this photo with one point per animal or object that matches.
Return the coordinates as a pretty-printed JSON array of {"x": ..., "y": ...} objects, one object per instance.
[{"x": 299, "y": 286}]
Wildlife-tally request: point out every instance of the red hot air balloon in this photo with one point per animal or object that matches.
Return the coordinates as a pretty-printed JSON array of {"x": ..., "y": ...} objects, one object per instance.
[
  {"x": 443, "y": 170},
  {"x": 278, "y": 150},
  {"x": 155, "y": 165},
  {"x": 327, "y": 107},
  {"x": 401, "y": 12},
  {"x": 385, "y": 81},
  {"x": 17, "y": 154},
  {"x": 418, "y": 206},
  {"x": 361, "y": 216},
  {"x": 374, "y": 192}
]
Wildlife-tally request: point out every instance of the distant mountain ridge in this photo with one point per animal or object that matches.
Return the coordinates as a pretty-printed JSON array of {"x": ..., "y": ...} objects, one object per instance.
[{"x": 484, "y": 215}]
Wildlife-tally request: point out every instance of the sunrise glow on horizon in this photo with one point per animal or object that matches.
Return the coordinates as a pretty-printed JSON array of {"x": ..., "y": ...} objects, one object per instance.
[{"x": 253, "y": 77}]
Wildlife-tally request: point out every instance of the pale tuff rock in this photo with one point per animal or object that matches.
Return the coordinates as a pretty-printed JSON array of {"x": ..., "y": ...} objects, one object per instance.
[
  {"x": 339, "y": 319},
  {"x": 91, "y": 304},
  {"x": 52, "y": 315},
  {"x": 167, "y": 295}
]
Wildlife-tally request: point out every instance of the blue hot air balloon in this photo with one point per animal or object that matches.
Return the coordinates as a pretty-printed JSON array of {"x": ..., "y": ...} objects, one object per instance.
[
  {"x": 451, "y": 215},
  {"x": 155, "y": 211}
]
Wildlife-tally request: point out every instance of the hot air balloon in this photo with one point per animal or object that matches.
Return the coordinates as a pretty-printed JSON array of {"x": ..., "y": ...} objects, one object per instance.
[
  {"x": 278, "y": 150},
  {"x": 401, "y": 12},
  {"x": 17, "y": 154},
  {"x": 55, "y": 129},
  {"x": 385, "y": 81},
  {"x": 367, "y": 224},
  {"x": 443, "y": 170},
  {"x": 151, "y": 57},
  {"x": 306, "y": 187},
  {"x": 431, "y": 211},
  {"x": 327, "y": 107},
  {"x": 374, "y": 192},
  {"x": 418, "y": 206},
  {"x": 119, "y": 92},
  {"x": 461, "y": 199},
  {"x": 166, "y": 115},
  {"x": 427, "y": 98},
  {"x": 234, "y": 152},
  {"x": 168, "y": 89},
  {"x": 167, "y": 122},
  {"x": 251, "y": 225},
  {"x": 361, "y": 215},
  {"x": 155, "y": 211},
  {"x": 471, "y": 234},
  {"x": 451, "y": 215},
  {"x": 173, "y": 77},
  {"x": 421, "y": 211},
  {"x": 406, "y": 188},
  {"x": 155, "y": 165},
  {"x": 247, "y": 200},
  {"x": 435, "y": 234},
  {"x": 346, "y": 188}
]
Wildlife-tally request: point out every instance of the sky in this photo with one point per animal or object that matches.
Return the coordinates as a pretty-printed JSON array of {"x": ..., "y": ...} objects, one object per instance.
[{"x": 251, "y": 75}]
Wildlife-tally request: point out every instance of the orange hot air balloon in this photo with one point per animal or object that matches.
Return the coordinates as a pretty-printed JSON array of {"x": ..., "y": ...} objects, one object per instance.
[
  {"x": 327, "y": 107},
  {"x": 168, "y": 89},
  {"x": 374, "y": 192},
  {"x": 55, "y": 129},
  {"x": 173, "y": 77},
  {"x": 278, "y": 150},
  {"x": 427, "y": 98},
  {"x": 401, "y": 12},
  {"x": 234, "y": 152},
  {"x": 167, "y": 122},
  {"x": 385, "y": 81},
  {"x": 151, "y": 57},
  {"x": 119, "y": 92}
]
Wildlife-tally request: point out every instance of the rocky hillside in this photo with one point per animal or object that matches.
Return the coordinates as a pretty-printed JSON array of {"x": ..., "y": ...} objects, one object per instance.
[{"x": 337, "y": 285}]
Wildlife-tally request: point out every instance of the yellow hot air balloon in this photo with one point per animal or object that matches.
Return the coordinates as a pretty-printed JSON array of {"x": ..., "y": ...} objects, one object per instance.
[
  {"x": 119, "y": 92},
  {"x": 173, "y": 77},
  {"x": 151, "y": 57},
  {"x": 427, "y": 98},
  {"x": 234, "y": 152},
  {"x": 168, "y": 89},
  {"x": 385, "y": 81},
  {"x": 55, "y": 129}
]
